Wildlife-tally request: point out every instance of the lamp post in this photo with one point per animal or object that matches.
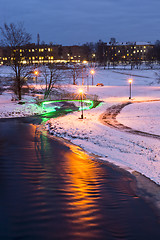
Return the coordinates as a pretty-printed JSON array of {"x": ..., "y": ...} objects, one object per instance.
[
  {"x": 87, "y": 83},
  {"x": 92, "y": 73},
  {"x": 130, "y": 84},
  {"x": 81, "y": 95},
  {"x": 82, "y": 76},
  {"x": 36, "y": 74}
]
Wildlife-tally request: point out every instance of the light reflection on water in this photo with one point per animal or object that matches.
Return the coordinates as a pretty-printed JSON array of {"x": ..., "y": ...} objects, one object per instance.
[
  {"x": 82, "y": 190},
  {"x": 52, "y": 191}
]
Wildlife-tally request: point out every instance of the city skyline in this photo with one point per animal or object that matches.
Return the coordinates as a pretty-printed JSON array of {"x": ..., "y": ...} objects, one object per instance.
[{"x": 75, "y": 22}]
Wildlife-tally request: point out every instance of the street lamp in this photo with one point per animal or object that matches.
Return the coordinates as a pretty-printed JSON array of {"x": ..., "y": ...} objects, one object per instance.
[
  {"x": 130, "y": 83},
  {"x": 92, "y": 73},
  {"x": 87, "y": 83},
  {"x": 81, "y": 95},
  {"x": 36, "y": 73}
]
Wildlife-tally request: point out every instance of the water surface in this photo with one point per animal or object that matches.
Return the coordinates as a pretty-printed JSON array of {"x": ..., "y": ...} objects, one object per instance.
[{"x": 51, "y": 191}]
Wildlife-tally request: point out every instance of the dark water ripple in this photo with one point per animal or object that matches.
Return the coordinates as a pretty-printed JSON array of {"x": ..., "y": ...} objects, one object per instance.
[{"x": 51, "y": 191}]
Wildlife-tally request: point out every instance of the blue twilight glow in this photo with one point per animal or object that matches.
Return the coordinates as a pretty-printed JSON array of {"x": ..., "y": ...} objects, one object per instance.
[{"x": 77, "y": 22}]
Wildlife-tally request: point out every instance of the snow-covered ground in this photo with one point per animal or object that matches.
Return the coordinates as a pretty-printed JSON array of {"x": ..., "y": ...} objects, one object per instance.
[
  {"x": 142, "y": 116},
  {"x": 10, "y": 109},
  {"x": 134, "y": 152}
]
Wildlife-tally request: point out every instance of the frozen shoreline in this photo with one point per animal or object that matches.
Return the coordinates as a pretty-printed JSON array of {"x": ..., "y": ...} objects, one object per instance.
[
  {"x": 129, "y": 151},
  {"x": 142, "y": 186}
]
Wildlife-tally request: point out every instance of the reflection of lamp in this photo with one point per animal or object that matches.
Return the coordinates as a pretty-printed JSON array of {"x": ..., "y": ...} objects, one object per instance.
[
  {"x": 130, "y": 83},
  {"x": 81, "y": 94},
  {"x": 92, "y": 73},
  {"x": 36, "y": 73}
]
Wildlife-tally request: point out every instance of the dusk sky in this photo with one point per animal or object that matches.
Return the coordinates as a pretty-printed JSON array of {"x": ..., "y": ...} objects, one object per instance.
[{"x": 71, "y": 22}]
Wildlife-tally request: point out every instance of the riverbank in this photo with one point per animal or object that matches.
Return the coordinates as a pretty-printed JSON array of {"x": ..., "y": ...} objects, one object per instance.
[
  {"x": 141, "y": 185},
  {"x": 136, "y": 152}
]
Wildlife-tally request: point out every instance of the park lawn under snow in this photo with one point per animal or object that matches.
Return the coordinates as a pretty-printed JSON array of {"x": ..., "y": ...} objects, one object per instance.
[
  {"x": 134, "y": 152},
  {"x": 142, "y": 116},
  {"x": 11, "y": 109}
]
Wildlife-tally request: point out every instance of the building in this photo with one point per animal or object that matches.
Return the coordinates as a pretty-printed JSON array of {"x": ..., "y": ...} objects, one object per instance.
[
  {"x": 43, "y": 54},
  {"x": 113, "y": 52},
  {"x": 127, "y": 52}
]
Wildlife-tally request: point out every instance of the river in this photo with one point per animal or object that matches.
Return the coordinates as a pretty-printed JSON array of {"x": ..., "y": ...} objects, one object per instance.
[{"x": 51, "y": 191}]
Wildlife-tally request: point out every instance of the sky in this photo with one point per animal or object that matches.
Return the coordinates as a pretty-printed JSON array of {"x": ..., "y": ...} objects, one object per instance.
[{"x": 69, "y": 22}]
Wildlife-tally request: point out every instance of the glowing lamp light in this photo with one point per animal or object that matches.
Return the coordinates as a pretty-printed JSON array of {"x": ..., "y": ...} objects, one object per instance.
[
  {"x": 130, "y": 80},
  {"x": 84, "y": 62},
  {"x": 36, "y": 73},
  {"x": 92, "y": 72},
  {"x": 81, "y": 91}
]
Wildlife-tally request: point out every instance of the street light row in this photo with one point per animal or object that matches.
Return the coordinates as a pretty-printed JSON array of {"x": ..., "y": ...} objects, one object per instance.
[
  {"x": 92, "y": 72},
  {"x": 81, "y": 94},
  {"x": 36, "y": 72}
]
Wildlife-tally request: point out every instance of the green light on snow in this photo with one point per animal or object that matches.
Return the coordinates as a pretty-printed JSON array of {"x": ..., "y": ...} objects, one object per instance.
[
  {"x": 89, "y": 104},
  {"x": 87, "y": 107}
]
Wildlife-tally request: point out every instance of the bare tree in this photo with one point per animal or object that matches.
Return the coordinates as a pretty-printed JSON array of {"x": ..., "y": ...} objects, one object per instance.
[
  {"x": 75, "y": 73},
  {"x": 14, "y": 36},
  {"x": 52, "y": 74}
]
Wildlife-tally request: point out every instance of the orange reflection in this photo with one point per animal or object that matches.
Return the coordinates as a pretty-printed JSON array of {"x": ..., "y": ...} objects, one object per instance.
[{"x": 83, "y": 188}]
